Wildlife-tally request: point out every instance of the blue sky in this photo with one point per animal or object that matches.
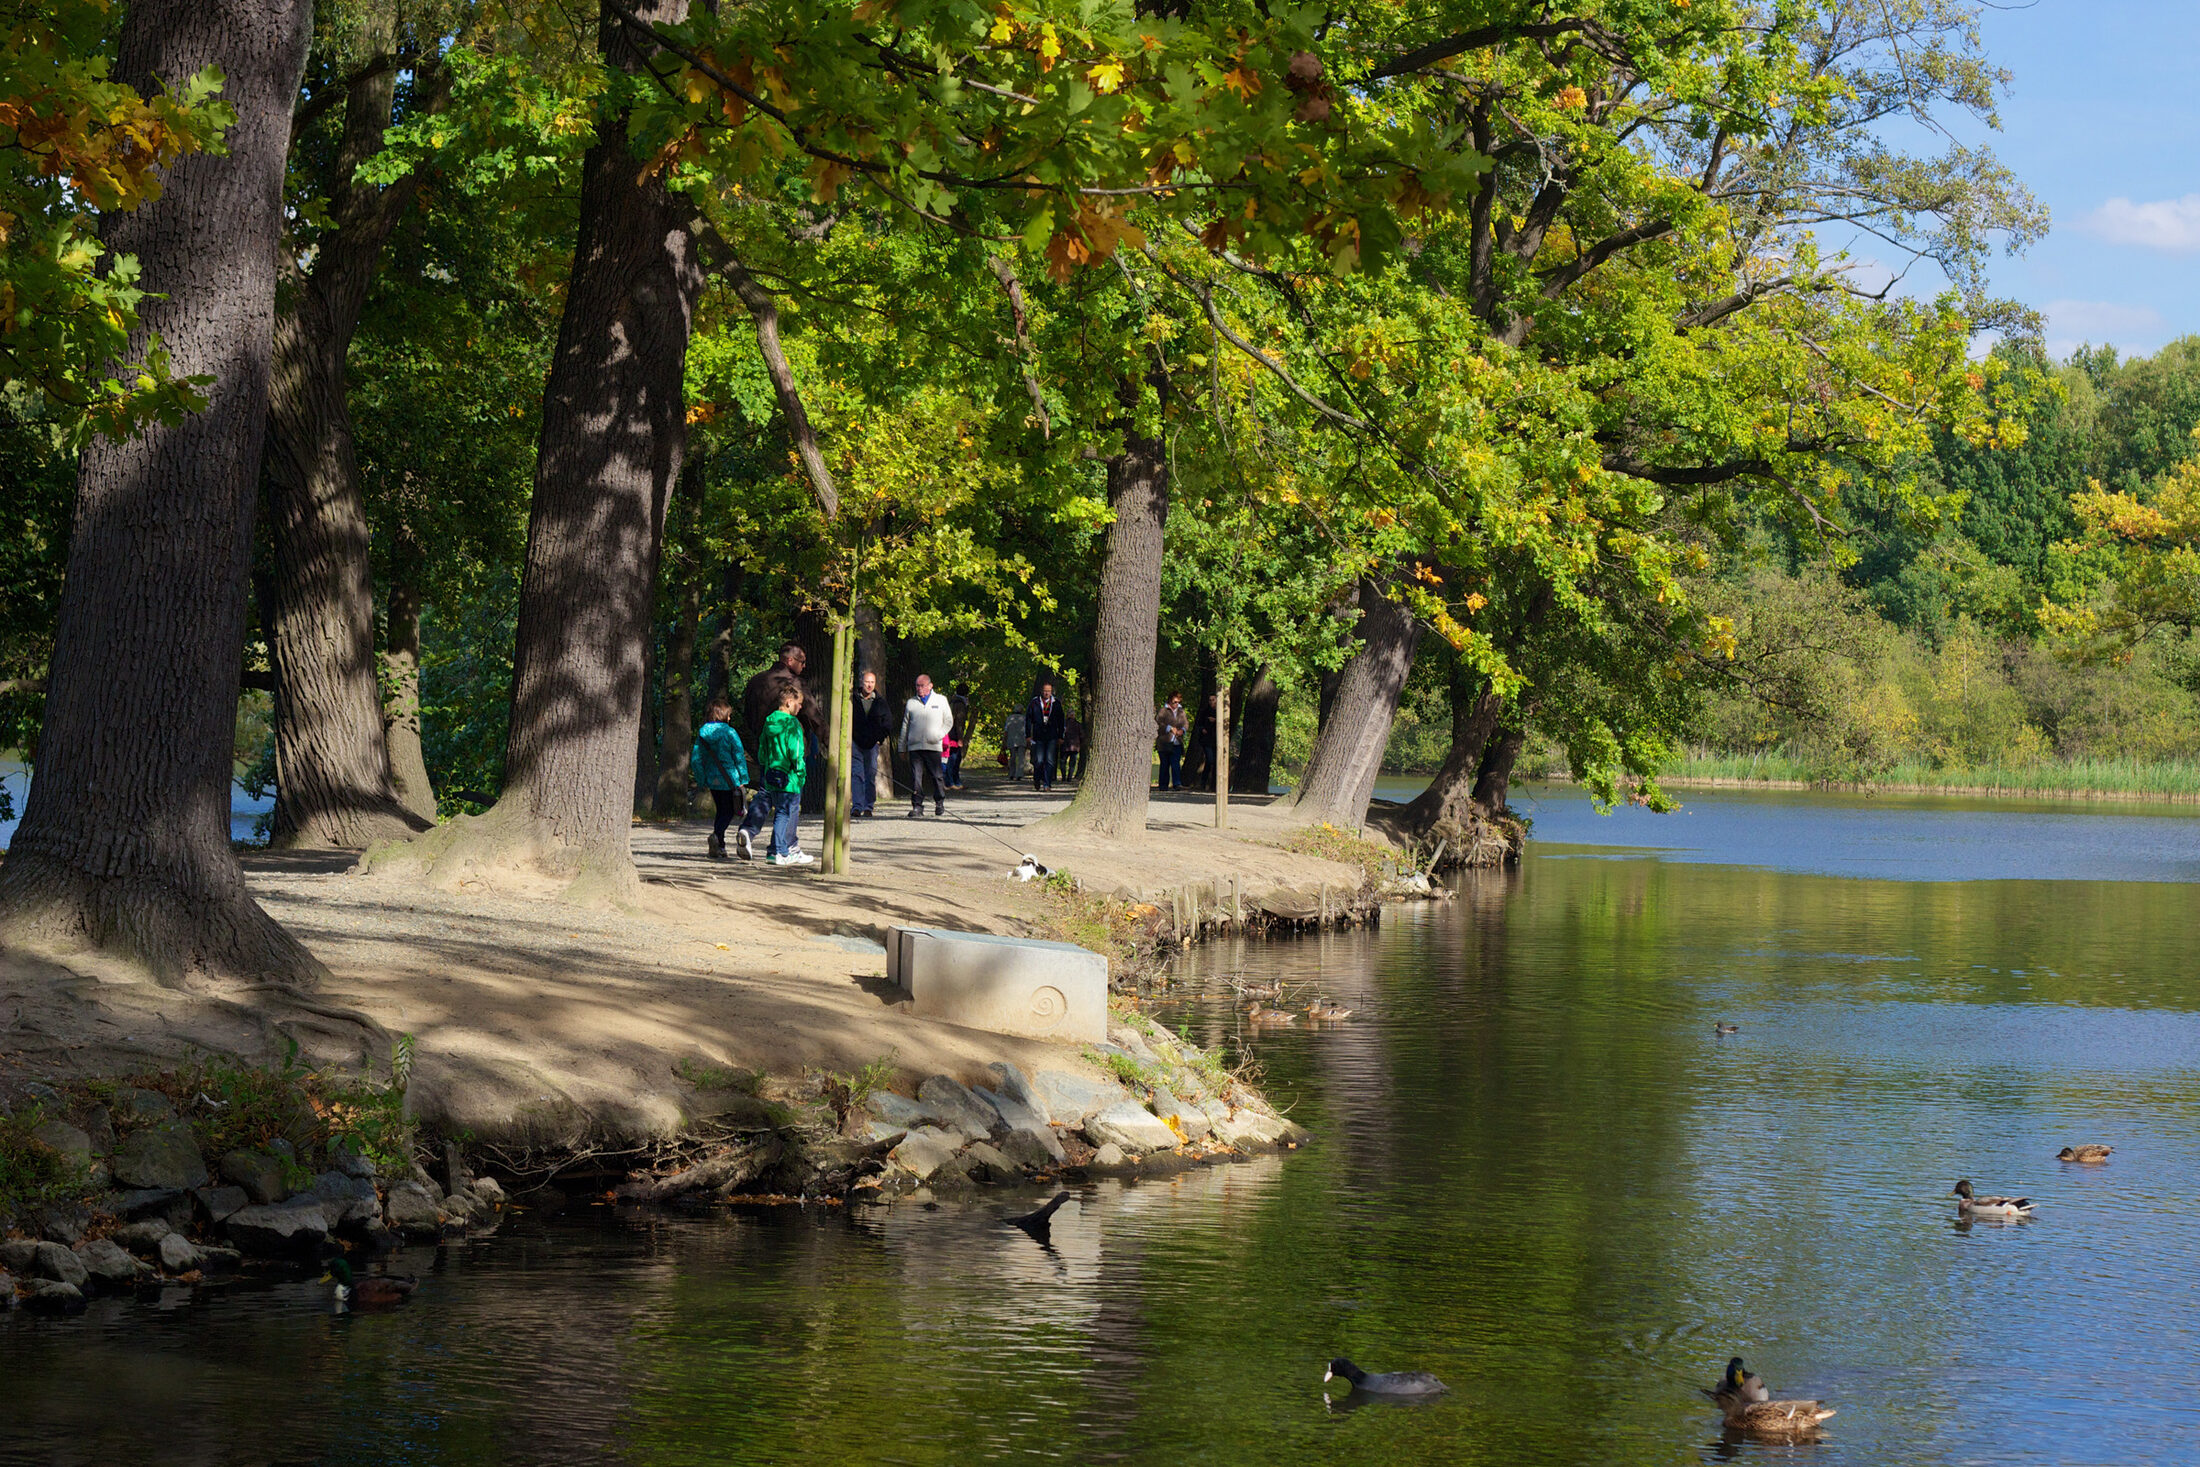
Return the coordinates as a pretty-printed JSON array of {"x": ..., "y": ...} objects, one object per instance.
[{"x": 2102, "y": 121}]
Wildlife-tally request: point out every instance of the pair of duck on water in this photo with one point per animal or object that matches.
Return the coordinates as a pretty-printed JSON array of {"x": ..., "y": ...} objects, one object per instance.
[
  {"x": 1740, "y": 1395},
  {"x": 1970, "y": 1204}
]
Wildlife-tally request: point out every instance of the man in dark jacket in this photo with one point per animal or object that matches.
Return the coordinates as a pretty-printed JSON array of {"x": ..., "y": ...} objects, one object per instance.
[
  {"x": 874, "y": 721},
  {"x": 760, "y": 699},
  {"x": 959, "y": 735},
  {"x": 1043, "y": 724}
]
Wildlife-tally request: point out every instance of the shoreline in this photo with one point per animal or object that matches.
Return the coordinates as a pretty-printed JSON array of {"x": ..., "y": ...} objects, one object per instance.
[{"x": 731, "y": 1037}]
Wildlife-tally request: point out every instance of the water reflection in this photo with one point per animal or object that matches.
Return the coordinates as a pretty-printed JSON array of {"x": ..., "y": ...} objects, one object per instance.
[{"x": 1540, "y": 1175}]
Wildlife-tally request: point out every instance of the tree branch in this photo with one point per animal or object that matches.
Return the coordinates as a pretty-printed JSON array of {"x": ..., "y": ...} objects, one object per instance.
[
  {"x": 765, "y": 312},
  {"x": 1005, "y": 272}
]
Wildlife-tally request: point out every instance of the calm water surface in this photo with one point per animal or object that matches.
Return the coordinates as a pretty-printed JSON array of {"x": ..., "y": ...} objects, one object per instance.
[{"x": 1538, "y": 1175}]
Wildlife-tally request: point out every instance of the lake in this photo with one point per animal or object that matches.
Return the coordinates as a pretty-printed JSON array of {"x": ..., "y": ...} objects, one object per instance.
[
  {"x": 1538, "y": 1173},
  {"x": 245, "y": 810}
]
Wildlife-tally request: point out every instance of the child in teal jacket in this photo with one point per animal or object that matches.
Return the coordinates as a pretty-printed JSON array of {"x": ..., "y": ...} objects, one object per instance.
[{"x": 720, "y": 765}]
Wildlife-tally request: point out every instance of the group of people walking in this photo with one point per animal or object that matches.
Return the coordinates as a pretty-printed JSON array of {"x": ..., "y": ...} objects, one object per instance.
[{"x": 932, "y": 730}]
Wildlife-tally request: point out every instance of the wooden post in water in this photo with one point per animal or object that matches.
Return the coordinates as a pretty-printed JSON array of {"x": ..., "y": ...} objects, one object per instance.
[
  {"x": 839, "y": 746},
  {"x": 1237, "y": 908}
]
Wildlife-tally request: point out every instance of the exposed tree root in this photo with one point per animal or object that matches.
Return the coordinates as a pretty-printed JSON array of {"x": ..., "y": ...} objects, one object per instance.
[{"x": 508, "y": 850}]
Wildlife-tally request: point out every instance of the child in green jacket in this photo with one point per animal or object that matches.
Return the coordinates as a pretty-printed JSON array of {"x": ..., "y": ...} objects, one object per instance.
[{"x": 780, "y": 799}]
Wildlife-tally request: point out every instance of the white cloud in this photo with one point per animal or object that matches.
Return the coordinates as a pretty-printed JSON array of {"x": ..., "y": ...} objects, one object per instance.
[
  {"x": 2071, "y": 324},
  {"x": 2164, "y": 224}
]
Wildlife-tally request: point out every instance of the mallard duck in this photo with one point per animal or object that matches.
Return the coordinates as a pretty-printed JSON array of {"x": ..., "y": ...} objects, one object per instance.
[
  {"x": 373, "y": 1291},
  {"x": 1322, "y": 1008},
  {"x": 1260, "y": 1015},
  {"x": 2087, "y": 1153},
  {"x": 1969, "y": 1204},
  {"x": 1777, "y": 1418},
  {"x": 1723, "y": 1027},
  {"x": 1738, "y": 1386},
  {"x": 1390, "y": 1383},
  {"x": 1260, "y": 990}
]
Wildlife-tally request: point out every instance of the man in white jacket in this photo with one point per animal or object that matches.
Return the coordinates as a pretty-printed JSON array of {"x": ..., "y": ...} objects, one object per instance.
[{"x": 925, "y": 721}]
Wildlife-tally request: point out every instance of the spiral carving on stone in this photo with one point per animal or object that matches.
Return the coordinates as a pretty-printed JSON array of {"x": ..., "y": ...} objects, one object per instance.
[{"x": 1049, "y": 1006}]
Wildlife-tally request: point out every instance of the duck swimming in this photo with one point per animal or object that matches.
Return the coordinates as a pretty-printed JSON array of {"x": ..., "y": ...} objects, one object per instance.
[
  {"x": 1390, "y": 1383},
  {"x": 1969, "y": 1204},
  {"x": 1738, "y": 1386},
  {"x": 2088, "y": 1153},
  {"x": 1722, "y": 1027},
  {"x": 1777, "y": 1418},
  {"x": 376, "y": 1290}
]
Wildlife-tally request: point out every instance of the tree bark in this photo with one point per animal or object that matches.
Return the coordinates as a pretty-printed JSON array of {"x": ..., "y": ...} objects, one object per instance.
[
  {"x": 613, "y": 434},
  {"x": 124, "y": 846},
  {"x": 335, "y": 784},
  {"x": 1254, "y": 766},
  {"x": 1339, "y": 777},
  {"x": 677, "y": 700},
  {"x": 1449, "y": 799},
  {"x": 409, "y": 779},
  {"x": 1112, "y": 789},
  {"x": 1494, "y": 783},
  {"x": 645, "y": 735}
]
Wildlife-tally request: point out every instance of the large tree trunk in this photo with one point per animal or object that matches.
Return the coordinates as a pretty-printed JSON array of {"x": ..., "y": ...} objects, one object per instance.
[
  {"x": 334, "y": 782},
  {"x": 1493, "y": 785},
  {"x": 613, "y": 433},
  {"x": 1339, "y": 777},
  {"x": 401, "y": 678},
  {"x": 1449, "y": 799},
  {"x": 677, "y": 700},
  {"x": 1112, "y": 790},
  {"x": 125, "y": 843},
  {"x": 1254, "y": 766}
]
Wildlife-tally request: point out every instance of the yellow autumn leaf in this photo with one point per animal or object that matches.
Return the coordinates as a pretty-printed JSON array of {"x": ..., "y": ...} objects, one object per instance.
[
  {"x": 1107, "y": 76},
  {"x": 1003, "y": 28},
  {"x": 1050, "y": 48},
  {"x": 1571, "y": 97}
]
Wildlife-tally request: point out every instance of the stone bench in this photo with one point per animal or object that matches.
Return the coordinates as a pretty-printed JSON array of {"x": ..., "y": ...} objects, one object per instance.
[{"x": 1009, "y": 985}]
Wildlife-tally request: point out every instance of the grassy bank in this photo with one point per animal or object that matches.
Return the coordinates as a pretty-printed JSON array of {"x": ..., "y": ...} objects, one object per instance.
[{"x": 2169, "y": 780}]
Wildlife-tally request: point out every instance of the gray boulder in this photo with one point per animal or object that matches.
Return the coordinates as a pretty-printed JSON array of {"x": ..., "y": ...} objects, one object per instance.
[
  {"x": 1189, "y": 1119},
  {"x": 70, "y": 1141},
  {"x": 143, "y": 1107},
  {"x": 99, "y": 1124},
  {"x": 282, "y": 1229},
  {"x": 958, "y": 1108},
  {"x": 159, "y": 1158},
  {"x": 882, "y": 1131},
  {"x": 347, "y": 1200},
  {"x": 414, "y": 1210},
  {"x": 1109, "y": 1155},
  {"x": 925, "y": 1151},
  {"x": 1011, "y": 1082},
  {"x": 1068, "y": 1098},
  {"x": 345, "y": 1156},
  {"x": 61, "y": 1222},
  {"x": 259, "y": 1174},
  {"x": 984, "y": 1162},
  {"x": 1033, "y": 1150},
  {"x": 178, "y": 1255},
  {"x": 221, "y": 1203},
  {"x": 1124, "y": 1037},
  {"x": 900, "y": 1110},
  {"x": 143, "y": 1238},
  {"x": 1248, "y": 1127},
  {"x": 1130, "y": 1126},
  {"x": 51, "y": 1297},
  {"x": 42, "y": 1260},
  {"x": 489, "y": 1190},
  {"x": 104, "y": 1260}
]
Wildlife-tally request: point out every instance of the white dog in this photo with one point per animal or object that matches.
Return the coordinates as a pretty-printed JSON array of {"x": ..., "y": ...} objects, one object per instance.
[{"x": 1027, "y": 870}]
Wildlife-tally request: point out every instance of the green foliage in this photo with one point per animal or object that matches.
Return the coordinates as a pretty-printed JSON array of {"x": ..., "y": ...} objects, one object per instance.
[
  {"x": 1328, "y": 843},
  {"x": 32, "y": 1172},
  {"x": 846, "y": 1093},
  {"x": 75, "y": 143}
]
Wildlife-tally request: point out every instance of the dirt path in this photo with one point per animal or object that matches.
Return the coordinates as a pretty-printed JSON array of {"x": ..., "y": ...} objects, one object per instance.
[{"x": 538, "y": 1023}]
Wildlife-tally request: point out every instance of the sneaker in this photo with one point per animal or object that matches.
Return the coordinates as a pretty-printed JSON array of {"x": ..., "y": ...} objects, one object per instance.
[
  {"x": 916, "y": 814},
  {"x": 794, "y": 858},
  {"x": 717, "y": 848},
  {"x": 744, "y": 845}
]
